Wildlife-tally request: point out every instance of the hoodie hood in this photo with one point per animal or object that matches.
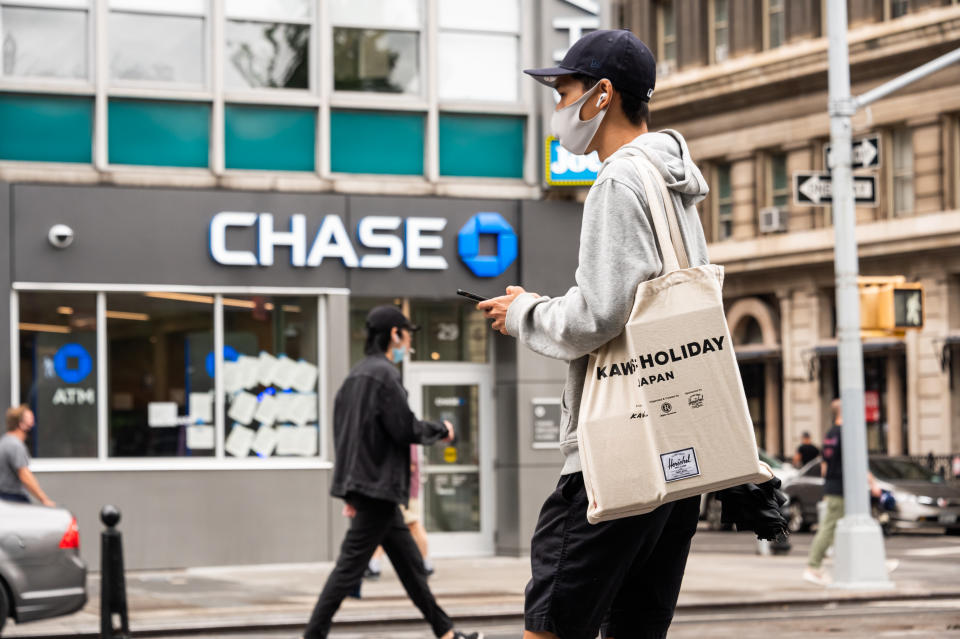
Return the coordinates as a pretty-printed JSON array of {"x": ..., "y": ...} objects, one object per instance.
[{"x": 668, "y": 151}]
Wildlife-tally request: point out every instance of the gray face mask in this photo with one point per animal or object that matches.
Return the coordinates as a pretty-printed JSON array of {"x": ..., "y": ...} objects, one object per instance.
[{"x": 573, "y": 133}]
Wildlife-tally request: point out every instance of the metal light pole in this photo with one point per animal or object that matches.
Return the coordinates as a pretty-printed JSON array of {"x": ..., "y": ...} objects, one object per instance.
[{"x": 860, "y": 558}]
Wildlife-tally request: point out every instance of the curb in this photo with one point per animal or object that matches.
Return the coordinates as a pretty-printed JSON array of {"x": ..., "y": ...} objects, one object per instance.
[{"x": 501, "y": 613}]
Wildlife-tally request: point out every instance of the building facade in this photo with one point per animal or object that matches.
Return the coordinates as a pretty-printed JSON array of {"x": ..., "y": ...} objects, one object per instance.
[
  {"x": 201, "y": 201},
  {"x": 746, "y": 82}
]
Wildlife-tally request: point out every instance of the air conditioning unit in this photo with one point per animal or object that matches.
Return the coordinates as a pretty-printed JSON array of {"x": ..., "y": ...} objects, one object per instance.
[{"x": 773, "y": 220}]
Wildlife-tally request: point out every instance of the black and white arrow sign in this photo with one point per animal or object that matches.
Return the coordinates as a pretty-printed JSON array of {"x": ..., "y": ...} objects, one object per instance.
[
  {"x": 866, "y": 153},
  {"x": 815, "y": 188}
]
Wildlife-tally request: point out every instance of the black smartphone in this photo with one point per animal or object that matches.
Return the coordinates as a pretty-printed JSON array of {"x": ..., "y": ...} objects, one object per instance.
[{"x": 471, "y": 296}]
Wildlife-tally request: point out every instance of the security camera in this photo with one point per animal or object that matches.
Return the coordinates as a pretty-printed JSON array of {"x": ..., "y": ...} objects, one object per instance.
[{"x": 60, "y": 236}]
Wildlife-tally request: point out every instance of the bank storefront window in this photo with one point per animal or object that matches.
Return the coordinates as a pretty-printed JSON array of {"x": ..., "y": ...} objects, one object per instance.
[
  {"x": 58, "y": 372},
  {"x": 270, "y": 376},
  {"x": 172, "y": 378},
  {"x": 268, "y": 44},
  {"x": 160, "y": 388}
]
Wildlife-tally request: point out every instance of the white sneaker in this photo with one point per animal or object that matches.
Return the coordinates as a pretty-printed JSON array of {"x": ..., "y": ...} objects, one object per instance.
[{"x": 815, "y": 576}]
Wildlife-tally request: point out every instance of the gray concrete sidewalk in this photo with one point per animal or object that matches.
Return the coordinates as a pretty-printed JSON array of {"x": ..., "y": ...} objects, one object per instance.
[{"x": 283, "y": 595}]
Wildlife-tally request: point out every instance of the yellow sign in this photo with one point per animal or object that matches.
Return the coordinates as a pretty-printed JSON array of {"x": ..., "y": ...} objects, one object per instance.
[{"x": 450, "y": 455}]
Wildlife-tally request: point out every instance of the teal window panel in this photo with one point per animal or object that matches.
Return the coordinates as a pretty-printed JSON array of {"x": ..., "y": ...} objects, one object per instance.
[
  {"x": 376, "y": 142},
  {"x": 481, "y": 145},
  {"x": 270, "y": 138},
  {"x": 158, "y": 133},
  {"x": 46, "y": 128}
]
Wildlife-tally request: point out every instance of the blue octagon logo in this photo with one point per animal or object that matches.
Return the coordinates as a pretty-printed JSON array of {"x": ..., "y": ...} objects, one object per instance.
[
  {"x": 72, "y": 363},
  {"x": 468, "y": 244}
]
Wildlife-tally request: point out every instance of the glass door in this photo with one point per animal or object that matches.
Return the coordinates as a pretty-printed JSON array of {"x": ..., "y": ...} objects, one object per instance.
[{"x": 456, "y": 479}]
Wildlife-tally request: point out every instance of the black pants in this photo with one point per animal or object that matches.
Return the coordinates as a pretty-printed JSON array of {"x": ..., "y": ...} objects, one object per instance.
[
  {"x": 622, "y": 575},
  {"x": 16, "y": 497},
  {"x": 378, "y": 523}
]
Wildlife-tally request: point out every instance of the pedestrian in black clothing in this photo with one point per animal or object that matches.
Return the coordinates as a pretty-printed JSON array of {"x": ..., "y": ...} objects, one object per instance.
[
  {"x": 806, "y": 451},
  {"x": 373, "y": 428}
]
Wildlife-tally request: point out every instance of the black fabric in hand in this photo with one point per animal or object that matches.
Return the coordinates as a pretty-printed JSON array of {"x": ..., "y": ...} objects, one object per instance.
[{"x": 756, "y": 507}]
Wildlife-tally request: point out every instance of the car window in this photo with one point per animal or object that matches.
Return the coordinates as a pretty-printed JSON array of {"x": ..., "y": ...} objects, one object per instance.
[{"x": 901, "y": 469}]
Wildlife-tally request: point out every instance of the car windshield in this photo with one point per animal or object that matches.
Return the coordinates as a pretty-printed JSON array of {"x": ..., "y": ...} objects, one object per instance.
[
  {"x": 770, "y": 461},
  {"x": 894, "y": 469}
]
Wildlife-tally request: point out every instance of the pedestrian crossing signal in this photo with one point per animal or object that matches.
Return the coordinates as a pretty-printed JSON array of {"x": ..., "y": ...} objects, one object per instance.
[{"x": 890, "y": 306}]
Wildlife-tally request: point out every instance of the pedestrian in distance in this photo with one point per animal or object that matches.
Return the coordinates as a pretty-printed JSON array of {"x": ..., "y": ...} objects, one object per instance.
[
  {"x": 806, "y": 451},
  {"x": 15, "y": 475},
  {"x": 831, "y": 468},
  {"x": 373, "y": 428},
  {"x": 622, "y": 575}
]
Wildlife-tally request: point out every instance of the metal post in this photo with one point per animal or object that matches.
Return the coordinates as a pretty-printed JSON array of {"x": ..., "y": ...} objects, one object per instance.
[
  {"x": 113, "y": 587},
  {"x": 860, "y": 560}
]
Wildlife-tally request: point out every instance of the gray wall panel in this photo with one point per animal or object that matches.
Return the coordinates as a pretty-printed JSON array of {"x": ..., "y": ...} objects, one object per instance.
[
  {"x": 176, "y": 519},
  {"x": 6, "y": 260},
  {"x": 535, "y": 485},
  {"x": 549, "y": 245},
  {"x": 158, "y": 236}
]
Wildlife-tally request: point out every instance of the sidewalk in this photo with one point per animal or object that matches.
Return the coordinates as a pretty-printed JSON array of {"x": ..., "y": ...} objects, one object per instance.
[{"x": 283, "y": 595}]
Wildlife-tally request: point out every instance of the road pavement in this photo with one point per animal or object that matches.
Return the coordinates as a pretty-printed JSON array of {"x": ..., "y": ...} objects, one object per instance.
[{"x": 724, "y": 574}]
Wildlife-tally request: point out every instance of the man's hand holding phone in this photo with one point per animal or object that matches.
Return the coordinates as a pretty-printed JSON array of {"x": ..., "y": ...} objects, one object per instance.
[{"x": 496, "y": 308}]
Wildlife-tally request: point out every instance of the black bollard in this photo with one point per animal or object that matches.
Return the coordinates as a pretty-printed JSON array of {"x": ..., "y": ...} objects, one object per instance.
[{"x": 113, "y": 586}]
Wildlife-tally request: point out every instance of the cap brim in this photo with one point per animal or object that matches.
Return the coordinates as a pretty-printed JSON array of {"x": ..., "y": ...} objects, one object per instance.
[
  {"x": 548, "y": 76},
  {"x": 413, "y": 328}
]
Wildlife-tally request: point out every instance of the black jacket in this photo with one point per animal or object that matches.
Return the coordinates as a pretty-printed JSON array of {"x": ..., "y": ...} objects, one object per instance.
[{"x": 373, "y": 428}]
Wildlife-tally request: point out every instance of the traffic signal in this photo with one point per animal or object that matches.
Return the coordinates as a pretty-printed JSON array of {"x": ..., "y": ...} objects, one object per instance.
[{"x": 890, "y": 306}]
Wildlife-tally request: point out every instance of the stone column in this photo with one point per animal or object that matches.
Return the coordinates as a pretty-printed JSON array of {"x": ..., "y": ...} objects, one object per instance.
[
  {"x": 771, "y": 409},
  {"x": 894, "y": 406}
]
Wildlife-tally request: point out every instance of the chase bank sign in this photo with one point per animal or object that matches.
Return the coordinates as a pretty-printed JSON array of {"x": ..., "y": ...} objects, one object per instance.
[{"x": 381, "y": 242}]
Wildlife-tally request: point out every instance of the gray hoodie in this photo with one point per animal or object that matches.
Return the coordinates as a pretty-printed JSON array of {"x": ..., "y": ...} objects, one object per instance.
[{"x": 618, "y": 251}]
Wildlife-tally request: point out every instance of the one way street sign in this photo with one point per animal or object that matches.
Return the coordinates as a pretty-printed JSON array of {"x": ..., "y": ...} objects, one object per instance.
[
  {"x": 815, "y": 188},
  {"x": 866, "y": 153}
]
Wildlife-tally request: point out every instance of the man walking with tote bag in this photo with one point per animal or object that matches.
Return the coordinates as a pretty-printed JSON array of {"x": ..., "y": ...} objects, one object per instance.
[{"x": 623, "y": 575}]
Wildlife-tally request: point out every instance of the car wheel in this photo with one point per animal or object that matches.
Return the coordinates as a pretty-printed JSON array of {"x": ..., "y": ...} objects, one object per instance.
[
  {"x": 796, "y": 523},
  {"x": 714, "y": 515}
]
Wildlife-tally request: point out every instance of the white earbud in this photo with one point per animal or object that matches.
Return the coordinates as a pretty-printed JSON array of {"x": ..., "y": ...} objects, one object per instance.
[{"x": 600, "y": 99}]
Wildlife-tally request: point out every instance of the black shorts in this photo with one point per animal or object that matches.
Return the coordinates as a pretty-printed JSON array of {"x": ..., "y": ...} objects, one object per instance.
[{"x": 623, "y": 575}]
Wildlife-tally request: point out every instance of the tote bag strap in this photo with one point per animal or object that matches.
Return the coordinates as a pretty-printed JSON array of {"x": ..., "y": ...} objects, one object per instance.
[{"x": 664, "y": 216}]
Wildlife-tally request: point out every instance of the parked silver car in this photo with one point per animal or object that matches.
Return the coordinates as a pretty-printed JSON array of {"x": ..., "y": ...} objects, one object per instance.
[
  {"x": 41, "y": 573},
  {"x": 923, "y": 499}
]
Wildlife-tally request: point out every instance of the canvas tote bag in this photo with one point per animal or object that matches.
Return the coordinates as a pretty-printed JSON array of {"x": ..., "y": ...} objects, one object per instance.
[{"x": 663, "y": 414}]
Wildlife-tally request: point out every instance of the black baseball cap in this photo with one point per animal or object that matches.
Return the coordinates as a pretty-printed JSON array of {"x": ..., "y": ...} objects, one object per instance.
[
  {"x": 381, "y": 319},
  {"x": 617, "y": 55}
]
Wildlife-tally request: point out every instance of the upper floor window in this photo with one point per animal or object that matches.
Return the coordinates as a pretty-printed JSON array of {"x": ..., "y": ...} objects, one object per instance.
[
  {"x": 478, "y": 50},
  {"x": 723, "y": 203},
  {"x": 774, "y": 14},
  {"x": 902, "y": 171},
  {"x": 158, "y": 41},
  {"x": 376, "y": 46},
  {"x": 45, "y": 39},
  {"x": 779, "y": 184},
  {"x": 268, "y": 44},
  {"x": 720, "y": 29},
  {"x": 666, "y": 37},
  {"x": 896, "y": 8}
]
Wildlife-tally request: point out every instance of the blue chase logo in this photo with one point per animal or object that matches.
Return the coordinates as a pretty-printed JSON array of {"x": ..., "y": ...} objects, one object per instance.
[
  {"x": 468, "y": 244},
  {"x": 72, "y": 363}
]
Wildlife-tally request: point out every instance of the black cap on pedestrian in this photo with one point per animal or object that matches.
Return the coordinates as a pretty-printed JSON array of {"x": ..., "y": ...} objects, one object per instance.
[
  {"x": 381, "y": 319},
  {"x": 618, "y": 56}
]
